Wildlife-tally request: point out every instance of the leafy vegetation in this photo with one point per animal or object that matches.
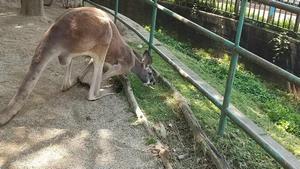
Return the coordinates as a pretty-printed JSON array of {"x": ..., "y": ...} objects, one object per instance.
[{"x": 281, "y": 49}]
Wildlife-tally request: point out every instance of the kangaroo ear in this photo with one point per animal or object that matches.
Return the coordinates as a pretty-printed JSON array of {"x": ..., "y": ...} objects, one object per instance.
[{"x": 147, "y": 59}]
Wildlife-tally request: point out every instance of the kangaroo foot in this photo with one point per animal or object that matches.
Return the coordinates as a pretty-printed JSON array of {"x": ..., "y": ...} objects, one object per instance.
[
  {"x": 116, "y": 85},
  {"x": 102, "y": 93},
  {"x": 86, "y": 84}
]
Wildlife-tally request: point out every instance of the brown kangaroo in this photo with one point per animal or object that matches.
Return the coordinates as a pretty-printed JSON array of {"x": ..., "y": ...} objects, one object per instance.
[{"x": 81, "y": 31}]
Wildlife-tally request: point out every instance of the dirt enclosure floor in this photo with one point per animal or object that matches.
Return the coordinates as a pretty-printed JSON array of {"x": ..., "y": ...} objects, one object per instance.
[{"x": 61, "y": 129}]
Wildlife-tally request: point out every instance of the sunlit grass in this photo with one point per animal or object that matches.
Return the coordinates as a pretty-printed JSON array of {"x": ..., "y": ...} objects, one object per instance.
[
  {"x": 154, "y": 100},
  {"x": 249, "y": 93},
  {"x": 240, "y": 150}
]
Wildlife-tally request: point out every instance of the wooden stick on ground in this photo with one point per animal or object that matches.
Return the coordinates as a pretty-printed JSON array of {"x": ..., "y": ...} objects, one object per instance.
[
  {"x": 159, "y": 148},
  {"x": 198, "y": 133}
]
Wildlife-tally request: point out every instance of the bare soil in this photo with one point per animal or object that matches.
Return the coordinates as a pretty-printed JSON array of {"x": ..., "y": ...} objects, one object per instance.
[{"x": 61, "y": 129}]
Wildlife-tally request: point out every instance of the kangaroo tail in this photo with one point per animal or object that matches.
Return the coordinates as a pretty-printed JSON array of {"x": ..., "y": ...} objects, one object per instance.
[{"x": 39, "y": 61}]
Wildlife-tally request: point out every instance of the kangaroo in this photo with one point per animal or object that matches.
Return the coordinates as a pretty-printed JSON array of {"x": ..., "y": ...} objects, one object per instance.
[{"x": 84, "y": 31}]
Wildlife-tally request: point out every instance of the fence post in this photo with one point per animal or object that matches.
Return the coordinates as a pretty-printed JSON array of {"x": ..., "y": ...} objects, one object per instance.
[
  {"x": 296, "y": 27},
  {"x": 116, "y": 10},
  {"x": 153, "y": 25},
  {"x": 236, "y": 7},
  {"x": 232, "y": 70}
]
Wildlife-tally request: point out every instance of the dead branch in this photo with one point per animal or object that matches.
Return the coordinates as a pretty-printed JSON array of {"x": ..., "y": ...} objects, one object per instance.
[
  {"x": 198, "y": 133},
  {"x": 159, "y": 149}
]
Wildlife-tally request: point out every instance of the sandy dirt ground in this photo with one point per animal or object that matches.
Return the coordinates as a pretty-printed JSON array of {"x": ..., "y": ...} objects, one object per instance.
[{"x": 61, "y": 129}]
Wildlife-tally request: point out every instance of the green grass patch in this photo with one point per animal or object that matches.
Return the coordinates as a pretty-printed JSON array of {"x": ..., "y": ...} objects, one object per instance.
[
  {"x": 239, "y": 149},
  {"x": 250, "y": 92},
  {"x": 154, "y": 100},
  {"x": 251, "y": 95},
  {"x": 271, "y": 108}
]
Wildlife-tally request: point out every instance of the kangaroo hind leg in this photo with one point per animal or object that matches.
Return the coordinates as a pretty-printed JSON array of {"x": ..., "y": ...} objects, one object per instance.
[
  {"x": 99, "y": 60},
  {"x": 66, "y": 59},
  {"x": 68, "y": 82},
  {"x": 113, "y": 70},
  {"x": 85, "y": 70},
  {"x": 105, "y": 90}
]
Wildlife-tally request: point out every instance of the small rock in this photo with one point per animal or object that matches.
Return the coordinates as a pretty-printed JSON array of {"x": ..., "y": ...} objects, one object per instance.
[
  {"x": 170, "y": 125},
  {"x": 163, "y": 131},
  {"x": 179, "y": 149},
  {"x": 182, "y": 156},
  {"x": 140, "y": 46},
  {"x": 198, "y": 160},
  {"x": 18, "y": 26}
]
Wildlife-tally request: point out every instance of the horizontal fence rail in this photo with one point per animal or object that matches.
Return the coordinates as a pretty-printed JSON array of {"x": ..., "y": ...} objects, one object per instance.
[{"x": 285, "y": 158}]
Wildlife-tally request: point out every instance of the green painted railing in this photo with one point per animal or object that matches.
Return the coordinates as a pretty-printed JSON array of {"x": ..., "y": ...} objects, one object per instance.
[
  {"x": 153, "y": 25},
  {"x": 232, "y": 69},
  {"x": 286, "y": 159}
]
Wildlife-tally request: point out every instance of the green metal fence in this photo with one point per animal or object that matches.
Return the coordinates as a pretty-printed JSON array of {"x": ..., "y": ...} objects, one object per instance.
[
  {"x": 256, "y": 12},
  {"x": 286, "y": 159}
]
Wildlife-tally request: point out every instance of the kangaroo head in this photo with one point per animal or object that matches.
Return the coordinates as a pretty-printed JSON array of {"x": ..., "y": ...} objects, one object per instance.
[{"x": 142, "y": 68}]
